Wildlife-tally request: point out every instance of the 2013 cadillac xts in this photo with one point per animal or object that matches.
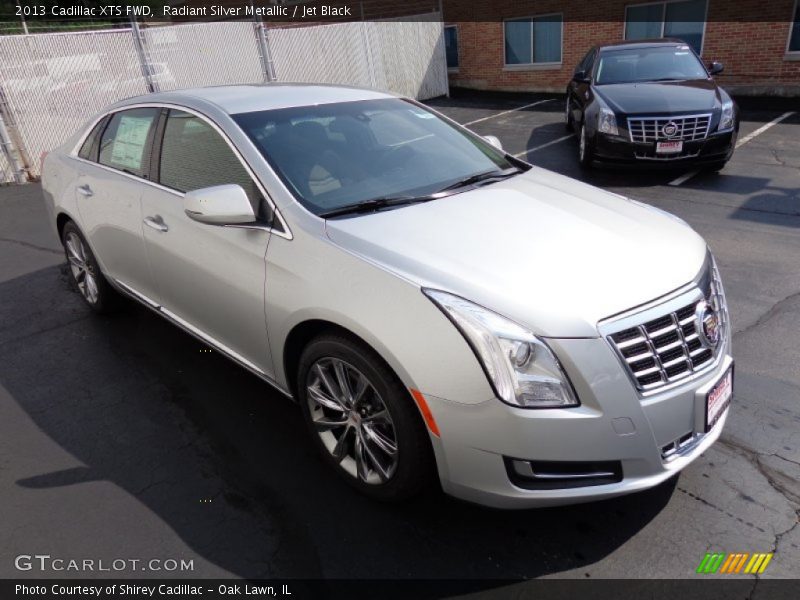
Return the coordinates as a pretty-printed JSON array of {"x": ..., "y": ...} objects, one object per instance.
[{"x": 433, "y": 304}]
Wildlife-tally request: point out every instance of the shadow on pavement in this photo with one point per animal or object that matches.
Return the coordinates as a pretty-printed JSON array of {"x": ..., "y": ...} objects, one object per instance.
[{"x": 140, "y": 405}]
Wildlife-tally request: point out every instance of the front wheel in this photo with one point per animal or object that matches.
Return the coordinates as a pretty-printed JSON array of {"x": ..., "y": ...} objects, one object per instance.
[
  {"x": 362, "y": 419},
  {"x": 568, "y": 121},
  {"x": 585, "y": 150}
]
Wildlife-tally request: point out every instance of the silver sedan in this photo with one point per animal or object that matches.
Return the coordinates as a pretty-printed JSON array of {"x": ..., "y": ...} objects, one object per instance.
[{"x": 437, "y": 308}]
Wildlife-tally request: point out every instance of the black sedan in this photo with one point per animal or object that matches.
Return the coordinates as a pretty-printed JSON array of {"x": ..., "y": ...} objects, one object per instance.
[{"x": 650, "y": 102}]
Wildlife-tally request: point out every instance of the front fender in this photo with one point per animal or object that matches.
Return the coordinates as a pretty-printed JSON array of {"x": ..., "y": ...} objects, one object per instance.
[{"x": 310, "y": 277}]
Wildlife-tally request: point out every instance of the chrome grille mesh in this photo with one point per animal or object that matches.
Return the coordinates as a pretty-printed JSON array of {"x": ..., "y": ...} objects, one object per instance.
[
  {"x": 687, "y": 128},
  {"x": 670, "y": 348}
]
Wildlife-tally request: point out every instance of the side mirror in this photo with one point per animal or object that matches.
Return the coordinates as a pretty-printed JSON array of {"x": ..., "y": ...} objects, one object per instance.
[
  {"x": 494, "y": 141},
  {"x": 716, "y": 67},
  {"x": 580, "y": 76},
  {"x": 219, "y": 205}
]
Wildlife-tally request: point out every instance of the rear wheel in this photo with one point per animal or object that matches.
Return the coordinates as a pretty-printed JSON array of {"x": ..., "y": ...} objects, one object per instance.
[
  {"x": 85, "y": 272},
  {"x": 362, "y": 419}
]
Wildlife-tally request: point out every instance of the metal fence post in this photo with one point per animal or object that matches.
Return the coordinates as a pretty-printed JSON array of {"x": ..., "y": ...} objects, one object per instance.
[
  {"x": 141, "y": 51},
  {"x": 264, "y": 53},
  {"x": 10, "y": 154}
]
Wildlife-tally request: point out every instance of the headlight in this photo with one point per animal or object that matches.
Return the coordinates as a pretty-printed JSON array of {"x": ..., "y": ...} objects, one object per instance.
[
  {"x": 521, "y": 368},
  {"x": 726, "y": 120},
  {"x": 607, "y": 122}
]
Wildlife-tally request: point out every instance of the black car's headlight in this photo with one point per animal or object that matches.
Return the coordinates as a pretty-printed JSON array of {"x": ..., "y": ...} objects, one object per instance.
[
  {"x": 607, "y": 122},
  {"x": 726, "y": 120}
]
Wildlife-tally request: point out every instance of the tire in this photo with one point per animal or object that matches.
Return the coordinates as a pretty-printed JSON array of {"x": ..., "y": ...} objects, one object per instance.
[
  {"x": 569, "y": 123},
  {"x": 585, "y": 151},
  {"x": 85, "y": 272},
  {"x": 384, "y": 418}
]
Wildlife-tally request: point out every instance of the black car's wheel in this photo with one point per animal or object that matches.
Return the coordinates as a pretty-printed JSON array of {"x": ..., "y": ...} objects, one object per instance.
[
  {"x": 568, "y": 121},
  {"x": 585, "y": 150},
  {"x": 362, "y": 419},
  {"x": 85, "y": 272}
]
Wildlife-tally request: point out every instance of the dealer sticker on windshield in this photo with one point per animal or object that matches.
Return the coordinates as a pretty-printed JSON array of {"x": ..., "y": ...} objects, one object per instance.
[
  {"x": 718, "y": 399},
  {"x": 669, "y": 147}
]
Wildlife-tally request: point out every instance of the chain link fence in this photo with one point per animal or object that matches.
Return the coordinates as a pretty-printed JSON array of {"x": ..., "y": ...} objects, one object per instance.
[
  {"x": 404, "y": 56},
  {"x": 51, "y": 84}
]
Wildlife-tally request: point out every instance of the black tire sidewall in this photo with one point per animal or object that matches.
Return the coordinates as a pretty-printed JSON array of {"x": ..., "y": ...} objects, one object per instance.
[
  {"x": 415, "y": 460},
  {"x": 588, "y": 155}
]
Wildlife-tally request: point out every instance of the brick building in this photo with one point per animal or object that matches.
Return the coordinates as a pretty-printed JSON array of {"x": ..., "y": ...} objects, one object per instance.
[{"x": 534, "y": 45}]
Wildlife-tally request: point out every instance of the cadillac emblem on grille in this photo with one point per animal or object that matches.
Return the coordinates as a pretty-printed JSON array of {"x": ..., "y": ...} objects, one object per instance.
[
  {"x": 670, "y": 129},
  {"x": 707, "y": 323}
]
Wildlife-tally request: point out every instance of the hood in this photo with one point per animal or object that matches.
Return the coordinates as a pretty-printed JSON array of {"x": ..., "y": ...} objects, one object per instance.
[
  {"x": 549, "y": 252},
  {"x": 663, "y": 97}
]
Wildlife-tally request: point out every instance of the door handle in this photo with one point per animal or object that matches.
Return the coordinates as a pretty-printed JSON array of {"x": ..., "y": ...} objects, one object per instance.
[
  {"x": 85, "y": 190},
  {"x": 156, "y": 223}
]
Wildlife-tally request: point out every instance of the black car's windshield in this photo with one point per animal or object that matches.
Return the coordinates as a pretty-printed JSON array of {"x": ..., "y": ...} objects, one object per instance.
[
  {"x": 342, "y": 154},
  {"x": 666, "y": 63}
]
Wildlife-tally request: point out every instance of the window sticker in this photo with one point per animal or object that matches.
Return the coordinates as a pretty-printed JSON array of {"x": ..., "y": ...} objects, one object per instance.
[
  {"x": 129, "y": 141},
  {"x": 422, "y": 115}
]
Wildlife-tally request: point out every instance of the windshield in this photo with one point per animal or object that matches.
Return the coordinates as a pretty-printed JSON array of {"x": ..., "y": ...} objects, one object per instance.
[
  {"x": 335, "y": 155},
  {"x": 669, "y": 63}
]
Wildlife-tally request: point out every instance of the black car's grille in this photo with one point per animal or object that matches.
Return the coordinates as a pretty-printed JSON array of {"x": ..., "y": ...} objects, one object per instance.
[
  {"x": 651, "y": 129},
  {"x": 669, "y": 348}
]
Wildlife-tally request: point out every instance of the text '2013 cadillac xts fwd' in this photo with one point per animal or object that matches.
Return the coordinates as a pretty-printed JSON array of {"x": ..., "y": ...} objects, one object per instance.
[{"x": 435, "y": 306}]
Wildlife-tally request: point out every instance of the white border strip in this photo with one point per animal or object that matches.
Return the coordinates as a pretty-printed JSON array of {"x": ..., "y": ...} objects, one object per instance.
[
  {"x": 505, "y": 112},
  {"x": 687, "y": 176},
  {"x": 535, "y": 148}
]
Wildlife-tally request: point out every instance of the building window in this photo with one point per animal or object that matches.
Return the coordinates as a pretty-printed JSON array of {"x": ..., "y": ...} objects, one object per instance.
[
  {"x": 682, "y": 19},
  {"x": 533, "y": 40},
  {"x": 794, "y": 34},
  {"x": 451, "y": 46}
]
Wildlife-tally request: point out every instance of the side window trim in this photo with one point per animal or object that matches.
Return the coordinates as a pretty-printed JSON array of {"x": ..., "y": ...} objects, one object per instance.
[
  {"x": 158, "y": 142},
  {"x": 278, "y": 225}
]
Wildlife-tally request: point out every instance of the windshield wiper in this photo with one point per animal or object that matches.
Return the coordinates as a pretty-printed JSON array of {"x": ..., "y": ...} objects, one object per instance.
[
  {"x": 375, "y": 204},
  {"x": 390, "y": 201},
  {"x": 478, "y": 177}
]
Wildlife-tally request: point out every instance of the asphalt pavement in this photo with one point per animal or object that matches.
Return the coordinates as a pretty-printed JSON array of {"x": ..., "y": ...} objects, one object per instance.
[{"x": 123, "y": 438}]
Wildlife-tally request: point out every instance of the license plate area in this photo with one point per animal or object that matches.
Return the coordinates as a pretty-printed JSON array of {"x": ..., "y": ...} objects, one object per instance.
[
  {"x": 669, "y": 147},
  {"x": 718, "y": 399}
]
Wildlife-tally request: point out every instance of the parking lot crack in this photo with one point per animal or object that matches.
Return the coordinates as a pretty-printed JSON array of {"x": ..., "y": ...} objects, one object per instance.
[
  {"x": 32, "y": 246},
  {"x": 773, "y": 310}
]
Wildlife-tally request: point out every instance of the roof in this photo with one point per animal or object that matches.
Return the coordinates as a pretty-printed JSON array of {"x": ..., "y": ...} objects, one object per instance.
[
  {"x": 637, "y": 44},
  {"x": 234, "y": 99}
]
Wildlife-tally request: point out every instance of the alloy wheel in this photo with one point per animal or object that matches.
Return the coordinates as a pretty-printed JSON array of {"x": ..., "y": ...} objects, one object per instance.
[
  {"x": 582, "y": 144},
  {"x": 352, "y": 420},
  {"x": 81, "y": 267}
]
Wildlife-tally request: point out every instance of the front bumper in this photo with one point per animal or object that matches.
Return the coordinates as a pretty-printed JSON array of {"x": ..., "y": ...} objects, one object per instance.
[
  {"x": 621, "y": 150},
  {"x": 614, "y": 425}
]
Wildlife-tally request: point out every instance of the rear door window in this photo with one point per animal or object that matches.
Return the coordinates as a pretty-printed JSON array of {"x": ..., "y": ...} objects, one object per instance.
[
  {"x": 91, "y": 144},
  {"x": 126, "y": 143}
]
